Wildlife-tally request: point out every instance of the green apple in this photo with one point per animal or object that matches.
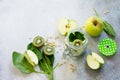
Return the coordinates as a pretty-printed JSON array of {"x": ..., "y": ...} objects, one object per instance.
[
  {"x": 94, "y": 26},
  {"x": 94, "y": 61},
  {"x": 65, "y": 25},
  {"x": 31, "y": 57}
]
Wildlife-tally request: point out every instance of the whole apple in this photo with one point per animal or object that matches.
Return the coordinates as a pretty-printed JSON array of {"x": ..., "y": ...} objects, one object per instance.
[{"x": 94, "y": 26}]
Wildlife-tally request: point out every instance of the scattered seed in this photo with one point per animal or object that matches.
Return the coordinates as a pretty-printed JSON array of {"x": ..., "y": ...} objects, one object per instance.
[
  {"x": 71, "y": 65},
  {"x": 60, "y": 65},
  {"x": 56, "y": 37},
  {"x": 105, "y": 12},
  {"x": 65, "y": 62},
  {"x": 72, "y": 68}
]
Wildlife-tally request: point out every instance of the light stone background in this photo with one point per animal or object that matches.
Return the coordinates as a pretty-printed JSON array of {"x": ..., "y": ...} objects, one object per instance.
[{"x": 21, "y": 20}]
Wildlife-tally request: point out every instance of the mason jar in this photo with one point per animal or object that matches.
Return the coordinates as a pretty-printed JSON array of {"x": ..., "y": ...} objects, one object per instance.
[{"x": 72, "y": 50}]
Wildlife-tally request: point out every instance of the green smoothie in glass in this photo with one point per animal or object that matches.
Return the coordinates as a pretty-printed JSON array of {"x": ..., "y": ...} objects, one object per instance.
[{"x": 76, "y": 43}]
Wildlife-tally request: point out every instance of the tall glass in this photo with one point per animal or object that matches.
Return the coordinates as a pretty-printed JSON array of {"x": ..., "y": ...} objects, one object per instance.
[{"x": 72, "y": 50}]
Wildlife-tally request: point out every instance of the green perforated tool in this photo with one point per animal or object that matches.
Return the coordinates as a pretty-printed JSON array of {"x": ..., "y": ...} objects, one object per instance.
[{"x": 107, "y": 47}]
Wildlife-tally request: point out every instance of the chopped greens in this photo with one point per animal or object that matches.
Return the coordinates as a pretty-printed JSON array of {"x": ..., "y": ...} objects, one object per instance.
[
  {"x": 72, "y": 37},
  {"x": 79, "y": 36},
  {"x": 76, "y": 35}
]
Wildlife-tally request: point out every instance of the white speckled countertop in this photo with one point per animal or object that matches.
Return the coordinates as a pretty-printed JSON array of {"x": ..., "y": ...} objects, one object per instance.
[{"x": 21, "y": 20}]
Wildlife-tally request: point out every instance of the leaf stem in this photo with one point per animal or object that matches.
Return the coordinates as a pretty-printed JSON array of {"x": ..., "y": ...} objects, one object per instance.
[
  {"x": 40, "y": 72},
  {"x": 96, "y": 12},
  {"x": 51, "y": 76},
  {"x": 55, "y": 66}
]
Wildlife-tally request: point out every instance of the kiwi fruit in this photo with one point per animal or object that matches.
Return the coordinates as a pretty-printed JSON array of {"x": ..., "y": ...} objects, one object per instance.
[
  {"x": 48, "y": 50},
  {"x": 77, "y": 42},
  {"x": 38, "y": 41}
]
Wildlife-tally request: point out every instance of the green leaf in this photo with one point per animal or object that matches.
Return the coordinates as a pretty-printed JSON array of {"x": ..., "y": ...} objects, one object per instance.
[
  {"x": 50, "y": 60},
  {"x": 46, "y": 64},
  {"x": 76, "y": 35},
  {"x": 21, "y": 63},
  {"x": 108, "y": 28},
  {"x": 79, "y": 36},
  {"x": 71, "y": 37},
  {"x": 43, "y": 66},
  {"x": 35, "y": 50}
]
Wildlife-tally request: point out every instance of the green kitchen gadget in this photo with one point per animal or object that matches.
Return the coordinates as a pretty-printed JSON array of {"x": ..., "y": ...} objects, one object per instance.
[{"x": 107, "y": 47}]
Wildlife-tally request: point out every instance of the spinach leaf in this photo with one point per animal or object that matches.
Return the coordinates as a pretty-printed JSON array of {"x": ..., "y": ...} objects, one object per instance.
[
  {"x": 46, "y": 64},
  {"x": 42, "y": 66},
  {"x": 76, "y": 35},
  {"x": 72, "y": 37},
  {"x": 35, "y": 50},
  {"x": 108, "y": 28},
  {"x": 79, "y": 36},
  {"x": 21, "y": 63},
  {"x": 51, "y": 59}
]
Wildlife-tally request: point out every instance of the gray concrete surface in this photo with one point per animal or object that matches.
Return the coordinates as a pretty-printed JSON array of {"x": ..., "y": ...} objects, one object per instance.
[{"x": 21, "y": 20}]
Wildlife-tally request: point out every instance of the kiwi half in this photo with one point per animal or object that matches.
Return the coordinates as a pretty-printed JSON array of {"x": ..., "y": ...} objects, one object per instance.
[
  {"x": 38, "y": 41},
  {"x": 48, "y": 50},
  {"x": 77, "y": 42}
]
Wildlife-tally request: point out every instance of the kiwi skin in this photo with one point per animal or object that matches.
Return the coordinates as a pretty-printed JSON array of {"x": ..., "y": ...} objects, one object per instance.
[
  {"x": 38, "y": 41},
  {"x": 48, "y": 50}
]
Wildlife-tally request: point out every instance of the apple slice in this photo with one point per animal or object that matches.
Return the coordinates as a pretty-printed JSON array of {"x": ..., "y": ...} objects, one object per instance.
[
  {"x": 65, "y": 25},
  {"x": 99, "y": 59},
  {"x": 94, "y": 61},
  {"x": 31, "y": 57}
]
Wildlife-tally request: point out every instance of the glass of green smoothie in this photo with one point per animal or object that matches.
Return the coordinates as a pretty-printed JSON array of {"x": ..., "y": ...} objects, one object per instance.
[{"x": 75, "y": 43}]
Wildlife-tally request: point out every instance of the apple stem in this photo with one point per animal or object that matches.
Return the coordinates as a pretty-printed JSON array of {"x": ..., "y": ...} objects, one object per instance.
[{"x": 95, "y": 12}]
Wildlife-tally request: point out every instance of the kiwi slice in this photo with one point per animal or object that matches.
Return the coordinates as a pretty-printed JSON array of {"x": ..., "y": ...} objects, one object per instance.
[
  {"x": 77, "y": 42},
  {"x": 38, "y": 41},
  {"x": 48, "y": 50}
]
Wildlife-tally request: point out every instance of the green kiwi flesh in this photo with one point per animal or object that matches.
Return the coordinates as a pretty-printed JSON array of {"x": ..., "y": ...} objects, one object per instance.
[{"x": 38, "y": 41}]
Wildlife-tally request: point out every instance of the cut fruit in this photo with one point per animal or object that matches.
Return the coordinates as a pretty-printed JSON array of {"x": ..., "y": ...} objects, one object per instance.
[
  {"x": 38, "y": 41},
  {"x": 77, "y": 42},
  {"x": 65, "y": 25},
  {"x": 94, "y": 61},
  {"x": 31, "y": 57},
  {"x": 48, "y": 50},
  {"x": 99, "y": 59}
]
